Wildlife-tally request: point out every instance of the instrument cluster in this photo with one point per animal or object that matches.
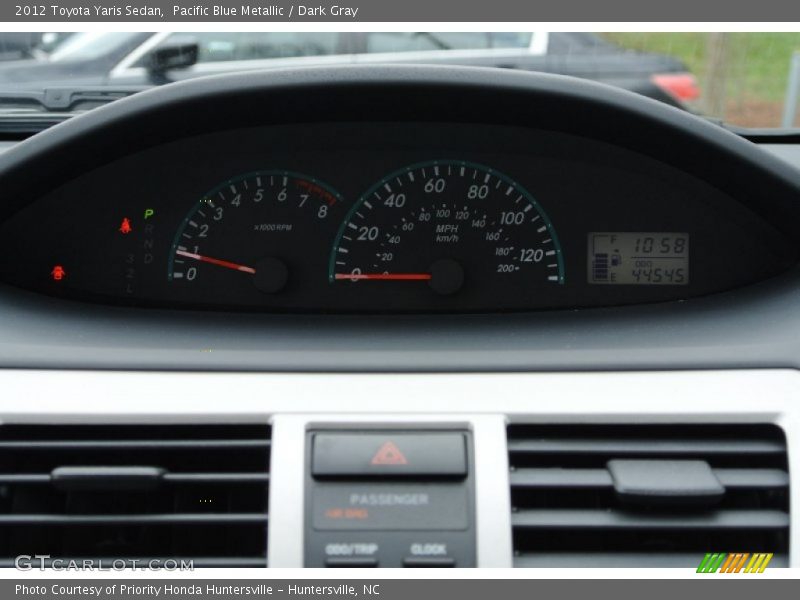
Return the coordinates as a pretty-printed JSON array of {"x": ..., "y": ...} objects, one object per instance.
[{"x": 387, "y": 218}]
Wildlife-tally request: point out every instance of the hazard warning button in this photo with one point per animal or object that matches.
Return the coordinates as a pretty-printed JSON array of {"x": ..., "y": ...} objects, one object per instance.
[{"x": 389, "y": 453}]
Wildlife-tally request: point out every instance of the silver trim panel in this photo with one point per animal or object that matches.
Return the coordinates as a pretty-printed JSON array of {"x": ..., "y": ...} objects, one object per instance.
[{"x": 484, "y": 401}]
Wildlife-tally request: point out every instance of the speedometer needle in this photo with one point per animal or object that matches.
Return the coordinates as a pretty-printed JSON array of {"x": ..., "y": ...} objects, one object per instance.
[
  {"x": 216, "y": 261},
  {"x": 446, "y": 276},
  {"x": 385, "y": 276}
]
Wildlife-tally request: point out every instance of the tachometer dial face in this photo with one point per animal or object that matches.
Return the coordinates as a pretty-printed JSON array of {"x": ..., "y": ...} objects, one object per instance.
[
  {"x": 447, "y": 228},
  {"x": 254, "y": 238}
]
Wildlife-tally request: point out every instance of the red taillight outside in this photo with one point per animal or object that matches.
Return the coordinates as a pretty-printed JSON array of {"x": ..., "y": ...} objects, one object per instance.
[{"x": 682, "y": 86}]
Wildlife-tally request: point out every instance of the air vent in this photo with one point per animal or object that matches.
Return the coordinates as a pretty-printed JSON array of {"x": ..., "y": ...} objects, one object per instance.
[
  {"x": 135, "y": 492},
  {"x": 646, "y": 495}
]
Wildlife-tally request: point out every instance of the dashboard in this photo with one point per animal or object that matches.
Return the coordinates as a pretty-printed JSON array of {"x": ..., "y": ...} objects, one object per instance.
[
  {"x": 387, "y": 217},
  {"x": 490, "y": 221}
]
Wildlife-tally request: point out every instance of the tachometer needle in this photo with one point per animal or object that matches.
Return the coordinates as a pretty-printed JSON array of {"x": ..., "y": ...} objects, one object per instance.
[
  {"x": 385, "y": 276},
  {"x": 216, "y": 261}
]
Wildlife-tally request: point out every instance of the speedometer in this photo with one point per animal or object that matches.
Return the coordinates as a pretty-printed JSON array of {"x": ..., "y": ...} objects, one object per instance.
[{"x": 444, "y": 228}]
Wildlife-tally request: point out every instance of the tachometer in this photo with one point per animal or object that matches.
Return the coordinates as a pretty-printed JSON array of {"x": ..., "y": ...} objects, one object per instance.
[
  {"x": 254, "y": 236},
  {"x": 448, "y": 227}
]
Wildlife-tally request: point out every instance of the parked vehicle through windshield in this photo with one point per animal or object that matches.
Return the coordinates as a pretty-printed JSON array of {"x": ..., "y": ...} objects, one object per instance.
[{"x": 745, "y": 79}]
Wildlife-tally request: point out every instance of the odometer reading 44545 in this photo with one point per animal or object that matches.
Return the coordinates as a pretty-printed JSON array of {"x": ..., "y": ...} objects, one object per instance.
[{"x": 447, "y": 227}]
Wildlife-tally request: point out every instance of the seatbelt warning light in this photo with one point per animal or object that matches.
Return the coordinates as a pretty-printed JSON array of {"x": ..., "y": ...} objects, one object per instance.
[
  {"x": 58, "y": 273},
  {"x": 125, "y": 227}
]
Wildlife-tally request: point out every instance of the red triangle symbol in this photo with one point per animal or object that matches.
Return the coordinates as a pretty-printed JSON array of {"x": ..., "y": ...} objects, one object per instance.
[{"x": 389, "y": 454}]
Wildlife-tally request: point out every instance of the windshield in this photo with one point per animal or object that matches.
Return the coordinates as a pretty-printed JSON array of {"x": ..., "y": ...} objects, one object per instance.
[
  {"x": 746, "y": 79},
  {"x": 90, "y": 45},
  {"x": 743, "y": 79}
]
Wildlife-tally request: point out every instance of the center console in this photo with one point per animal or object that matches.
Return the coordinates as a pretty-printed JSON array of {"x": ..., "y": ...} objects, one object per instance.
[{"x": 388, "y": 497}]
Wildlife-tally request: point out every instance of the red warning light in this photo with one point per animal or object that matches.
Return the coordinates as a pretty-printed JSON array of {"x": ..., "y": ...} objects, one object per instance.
[
  {"x": 58, "y": 273},
  {"x": 126, "y": 226},
  {"x": 389, "y": 454}
]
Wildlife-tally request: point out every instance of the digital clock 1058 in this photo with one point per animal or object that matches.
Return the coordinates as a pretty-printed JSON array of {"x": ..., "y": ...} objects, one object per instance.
[{"x": 638, "y": 258}]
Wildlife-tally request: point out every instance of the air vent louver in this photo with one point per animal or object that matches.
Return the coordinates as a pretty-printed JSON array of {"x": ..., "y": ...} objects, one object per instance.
[
  {"x": 135, "y": 492},
  {"x": 646, "y": 495}
]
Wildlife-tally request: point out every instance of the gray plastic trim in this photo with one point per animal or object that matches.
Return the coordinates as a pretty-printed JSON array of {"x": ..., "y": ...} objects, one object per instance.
[{"x": 752, "y": 327}]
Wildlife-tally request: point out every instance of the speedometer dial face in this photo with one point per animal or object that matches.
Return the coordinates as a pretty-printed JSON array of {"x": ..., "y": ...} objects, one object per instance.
[
  {"x": 255, "y": 239},
  {"x": 451, "y": 229}
]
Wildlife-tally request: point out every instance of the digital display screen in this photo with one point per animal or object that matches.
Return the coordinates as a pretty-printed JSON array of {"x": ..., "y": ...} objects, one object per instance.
[{"x": 638, "y": 258}]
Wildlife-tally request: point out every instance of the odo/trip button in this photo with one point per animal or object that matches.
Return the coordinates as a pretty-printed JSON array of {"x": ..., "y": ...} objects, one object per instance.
[
  {"x": 352, "y": 562},
  {"x": 389, "y": 453}
]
